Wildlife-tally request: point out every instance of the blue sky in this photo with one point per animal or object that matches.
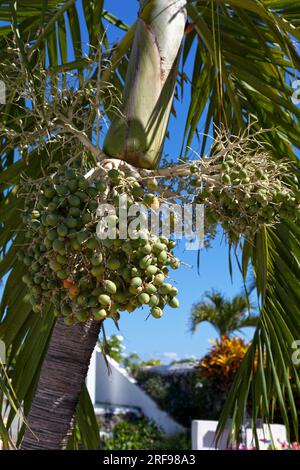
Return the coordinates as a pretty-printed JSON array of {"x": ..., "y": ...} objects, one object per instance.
[{"x": 169, "y": 337}]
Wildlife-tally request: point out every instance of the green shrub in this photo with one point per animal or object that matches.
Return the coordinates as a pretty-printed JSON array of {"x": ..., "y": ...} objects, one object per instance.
[
  {"x": 143, "y": 435},
  {"x": 179, "y": 394}
]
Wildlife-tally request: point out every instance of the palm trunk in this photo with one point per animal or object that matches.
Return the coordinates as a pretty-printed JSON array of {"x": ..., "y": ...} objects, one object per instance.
[{"x": 63, "y": 373}]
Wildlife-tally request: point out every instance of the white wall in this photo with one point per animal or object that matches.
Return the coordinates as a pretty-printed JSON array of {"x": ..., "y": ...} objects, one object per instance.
[
  {"x": 119, "y": 389},
  {"x": 203, "y": 436}
]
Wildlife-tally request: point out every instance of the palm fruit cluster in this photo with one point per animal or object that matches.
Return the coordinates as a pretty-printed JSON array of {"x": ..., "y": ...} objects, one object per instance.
[
  {"x": 70, "y": 268},
  {"x": 244, "y": 192}
]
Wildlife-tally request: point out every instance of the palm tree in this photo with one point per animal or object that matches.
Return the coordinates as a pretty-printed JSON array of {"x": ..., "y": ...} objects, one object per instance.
[
  {"x": 245, "y": 58},
  {"x": 226, "y": 316}
]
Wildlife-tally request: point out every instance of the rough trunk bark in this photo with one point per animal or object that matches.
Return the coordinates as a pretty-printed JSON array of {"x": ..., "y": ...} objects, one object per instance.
[{"x": 63, "y": 373}]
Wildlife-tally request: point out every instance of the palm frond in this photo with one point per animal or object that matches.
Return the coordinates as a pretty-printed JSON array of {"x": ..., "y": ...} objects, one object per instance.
[{"x": 245, "y": 62}]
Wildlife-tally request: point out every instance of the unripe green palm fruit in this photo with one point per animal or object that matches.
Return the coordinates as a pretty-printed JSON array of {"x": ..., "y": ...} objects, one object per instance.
[
  {"x": 110, "y": 286},
  {"x": 158, "y": 247},
  {"x": 226, "y": 179},
  {"x": 98, "y": 270},
  {"x": 145, "y": 261},
  {"x": 47, "y": 243},
  {"x": 62, "y": 274},
  {"x": 36, "y": 290},
  {"x": 62, "y": 230},
  {"x": 92, "y": 205},
  {"x": 150, "y": 289},
  {"x": 82, "y": 195},
  {"x": 97, "y": 291},
  {"x": 122, "y": 297},
  {"x": 174, "y": 302},
  {"x": 113, "y": 264},
  {"x": 114, "y": 174},
  {"x": 137, "y": 191},
  {"x": 149, "y": 198},
  {"x": 92, "y": 243},
  {"x": 97, "y": 259},
  {"x": 61, "y": 259},
  {"x": 74, "y": 212},
  {"x": 35, "y": 215},
  {"x": 82, "y": 300},
  {"x": 52, "y": 219},
  {"x": 86, "y": 218},
  {"x": 173, "y": 291},
  {"x": 136, "y": 282},
  {"x": 163, "y": 257},
  {"x": 135, "y": 272},
  {"x": 99, "y": 314},
  {"x": 151, "y": 270},
  {"x": 72, "y": 185},
  {"x": 59, "y": 245},
  {"x": 55, "y": 265},
  {"x": 101, "y": 186},
  {"x": 126, "y": 274},
  {"x": 165, "y": 288},
  {"x": 175, "y": 263},
  {"x": 171, "y": 244},
  {"x": 35, "y": 267},
  {"x": 146, "y": 249},
  {"x": 107, "y": 243},
  {"x": 43, "y": 201},
  {"x": 194, "y": 168},
  {"x": 225, "y": 166},
  {"x": 38, "y": 279},
  {"x": 104, "y": 300},
  {"x": 26, "y": 279},
  {"x": 82, "y": 236},
  {"x": 154, "y": 300},
  {"x": 69, "y": 320},
  {"x": 66, "y": 310},
  {"x": 92, "y": 301},
  {"x": 75, "y": 244},
  {"x": 159, "y": 279},
  {"x": 74, "y": 201},
  {"x": 49, "y": 192},
  {"x": 28, "y": 260},
  {"x": 156, "y": 312},
  {"x": 144, "y": 298},
  {"x": 82, "y": 316},
  {"x": 82, "y": 183},
  {"x": 92, "y": 192},
  {"x": 71, "y": 222},
  {"x": 62, "y": 190},
  {"x": 153, "y": 184}
]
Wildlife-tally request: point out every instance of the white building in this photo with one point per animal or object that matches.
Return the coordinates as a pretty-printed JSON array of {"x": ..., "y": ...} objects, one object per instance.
[{"x": 113, "y": 390}]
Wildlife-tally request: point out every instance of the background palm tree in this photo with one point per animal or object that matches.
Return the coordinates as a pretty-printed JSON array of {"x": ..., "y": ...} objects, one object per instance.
[
  {"x": 226, "y": 316},
  {"x": 245, "y": 58}
]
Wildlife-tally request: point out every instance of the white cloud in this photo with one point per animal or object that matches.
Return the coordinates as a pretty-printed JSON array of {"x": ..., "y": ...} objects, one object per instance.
[{"x": 172, "y": 356}]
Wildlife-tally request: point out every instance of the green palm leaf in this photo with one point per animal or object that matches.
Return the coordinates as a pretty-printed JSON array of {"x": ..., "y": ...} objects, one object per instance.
[
  {"x": 247, "y": 52},
  {"x": 226, "y": 316}
]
